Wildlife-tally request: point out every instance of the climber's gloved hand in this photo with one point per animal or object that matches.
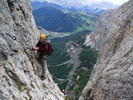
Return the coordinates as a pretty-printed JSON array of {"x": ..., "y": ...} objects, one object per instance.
[{"x": 32, "y": 49}]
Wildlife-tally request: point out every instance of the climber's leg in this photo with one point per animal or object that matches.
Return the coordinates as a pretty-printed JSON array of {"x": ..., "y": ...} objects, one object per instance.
[{"x": 43, "y": 64}]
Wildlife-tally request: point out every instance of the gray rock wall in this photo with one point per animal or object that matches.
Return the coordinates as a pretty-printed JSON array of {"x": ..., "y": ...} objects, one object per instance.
[
  {"x": 19, "y": 69},
  {"x": 112, "y": 77}
]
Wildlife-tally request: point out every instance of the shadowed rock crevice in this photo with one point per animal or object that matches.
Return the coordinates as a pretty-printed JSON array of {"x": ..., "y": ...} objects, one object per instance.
[{"x": 3, "y": 56}]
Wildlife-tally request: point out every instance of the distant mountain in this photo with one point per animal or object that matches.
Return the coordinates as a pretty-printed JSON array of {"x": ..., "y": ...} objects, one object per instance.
[
  {"x": 90, "y": 7},
  {"x": 56, "y": 20},
  {"x": 71, "y": 63},
  {"x": 38, "y": 4}
]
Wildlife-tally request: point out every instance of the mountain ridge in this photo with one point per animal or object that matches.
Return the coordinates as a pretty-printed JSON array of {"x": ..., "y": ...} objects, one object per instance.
[
  {"x": 92, "y": 7},
  {"x": 69, "y": 61},
  {"x": 112, "y": 74},
  {"x": 57, "y": 20}
]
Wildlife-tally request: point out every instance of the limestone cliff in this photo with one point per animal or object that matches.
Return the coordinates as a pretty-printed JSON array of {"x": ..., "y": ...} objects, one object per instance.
[
  {"x": 19, "y": 69},
  {"x": 74, "y": 51},
  {"x": 112, "y": 76}
]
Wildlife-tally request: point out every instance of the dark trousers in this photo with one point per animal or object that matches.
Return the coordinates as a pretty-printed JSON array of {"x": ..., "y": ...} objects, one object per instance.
[{"x": 42, "y": 61}]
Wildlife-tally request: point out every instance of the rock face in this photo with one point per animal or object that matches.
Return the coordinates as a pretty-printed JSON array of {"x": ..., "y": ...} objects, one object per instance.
[
  {"x": 112, "y": 77},
  {"x": 74, "y": 51},
  {"x": 19, "y": 69}
]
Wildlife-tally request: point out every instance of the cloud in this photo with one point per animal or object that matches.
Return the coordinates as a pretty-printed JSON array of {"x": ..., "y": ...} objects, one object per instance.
[{"x": 118, "y": 2}]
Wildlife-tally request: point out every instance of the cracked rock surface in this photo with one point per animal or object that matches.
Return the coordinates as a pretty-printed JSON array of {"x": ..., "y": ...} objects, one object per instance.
[
  {"x": 112, "y": 77},
  {"x": 19, "y": 68}
]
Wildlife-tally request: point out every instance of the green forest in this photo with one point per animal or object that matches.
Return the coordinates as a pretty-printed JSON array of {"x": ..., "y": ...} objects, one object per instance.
[{"x": 56, "y": 20}]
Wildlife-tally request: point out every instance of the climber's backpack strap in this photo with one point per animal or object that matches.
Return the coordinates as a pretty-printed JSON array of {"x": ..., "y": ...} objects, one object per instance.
[{"x": 48, "y": 48}]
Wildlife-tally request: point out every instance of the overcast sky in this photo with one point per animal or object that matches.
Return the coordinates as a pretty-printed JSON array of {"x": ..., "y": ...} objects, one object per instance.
[{"x": 117, "y": 2}]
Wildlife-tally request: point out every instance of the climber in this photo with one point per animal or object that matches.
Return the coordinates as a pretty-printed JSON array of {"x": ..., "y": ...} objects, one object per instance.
[
  {"x": 43, "y": 48},
  {"x": 63, "y": 91}
]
